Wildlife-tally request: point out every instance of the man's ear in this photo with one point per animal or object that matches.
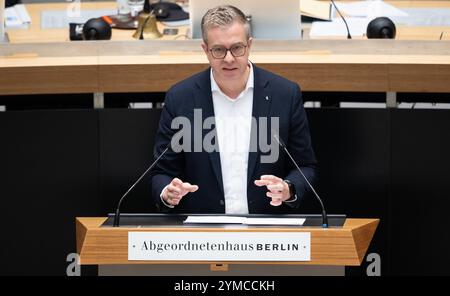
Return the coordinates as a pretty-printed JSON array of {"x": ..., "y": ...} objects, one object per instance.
[
  {"x": 205, "y": 47},
  {"x": 249, "y": 43}
]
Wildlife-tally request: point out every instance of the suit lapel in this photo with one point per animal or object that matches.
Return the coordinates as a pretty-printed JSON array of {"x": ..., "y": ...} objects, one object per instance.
[
  {"x": 261, "y": 108},
  {"x": 203, "y": 100}
]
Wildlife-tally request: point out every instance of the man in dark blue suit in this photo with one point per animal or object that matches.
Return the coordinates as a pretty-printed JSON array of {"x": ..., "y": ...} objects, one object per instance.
[{"x": 247, "y": 104}]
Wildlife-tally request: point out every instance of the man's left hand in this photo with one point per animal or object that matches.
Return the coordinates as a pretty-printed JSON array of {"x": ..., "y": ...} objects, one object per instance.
[{"x": 278, "y": 189}]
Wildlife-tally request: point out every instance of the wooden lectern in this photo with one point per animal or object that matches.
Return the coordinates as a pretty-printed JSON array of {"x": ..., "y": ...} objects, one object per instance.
[{"x": 331, "y": 250}]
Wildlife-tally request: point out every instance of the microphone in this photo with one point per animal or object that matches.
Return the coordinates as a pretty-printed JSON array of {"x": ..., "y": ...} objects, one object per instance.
[
  {"x": 97, "y": 29},
  {"x": 117, "y": 216},
  {"x": 324, "y": 213},
  {"x": 346, "y": 26},
  {"x": 381, "y": 27}
]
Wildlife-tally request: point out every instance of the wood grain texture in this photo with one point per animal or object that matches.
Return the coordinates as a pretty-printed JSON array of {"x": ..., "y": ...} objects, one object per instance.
[
  {"x": 49, "y": 80},
  {"x": 423, "y": 78},
  {"x": 144, "y": 78},
  {"x": 351, "y": 65},
  {"x": 344, "y": 246}
]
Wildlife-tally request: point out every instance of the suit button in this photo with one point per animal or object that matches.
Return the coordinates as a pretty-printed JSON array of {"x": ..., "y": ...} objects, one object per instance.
[{"x": 221, "y": 202}]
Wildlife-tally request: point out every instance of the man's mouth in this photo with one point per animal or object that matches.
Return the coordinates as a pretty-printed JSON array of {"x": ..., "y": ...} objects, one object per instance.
[{"x": 229, "y": 69}]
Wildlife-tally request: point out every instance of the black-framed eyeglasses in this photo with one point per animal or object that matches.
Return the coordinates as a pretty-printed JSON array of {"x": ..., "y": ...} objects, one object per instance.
[{"x": 220, "y": 52}]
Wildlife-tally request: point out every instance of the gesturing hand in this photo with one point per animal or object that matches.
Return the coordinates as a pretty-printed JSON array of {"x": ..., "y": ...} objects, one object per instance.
[
  {"x": 175, "y": 191},
  {"x": 278, "y": 189}
]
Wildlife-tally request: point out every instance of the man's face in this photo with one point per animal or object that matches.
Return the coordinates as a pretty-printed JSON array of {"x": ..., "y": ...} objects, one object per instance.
[{"x": 232, "y": 37}]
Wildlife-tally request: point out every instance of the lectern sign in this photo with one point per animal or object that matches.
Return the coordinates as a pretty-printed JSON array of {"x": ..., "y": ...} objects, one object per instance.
[{"x": 219, "y": 246}]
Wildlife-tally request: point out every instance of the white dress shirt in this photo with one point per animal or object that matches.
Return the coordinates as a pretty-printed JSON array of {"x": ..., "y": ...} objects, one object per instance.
[{"x": 233, "y": 126}]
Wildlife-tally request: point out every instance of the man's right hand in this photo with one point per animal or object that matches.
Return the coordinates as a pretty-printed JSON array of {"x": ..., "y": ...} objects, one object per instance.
[{"x": 175, "y": 191}]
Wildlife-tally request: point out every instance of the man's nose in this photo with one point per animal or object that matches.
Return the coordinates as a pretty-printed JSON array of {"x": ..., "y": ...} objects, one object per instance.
[{"x": 229, "y": 58}]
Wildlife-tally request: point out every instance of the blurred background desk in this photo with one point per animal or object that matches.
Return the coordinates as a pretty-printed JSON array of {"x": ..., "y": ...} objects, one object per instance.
[
  {"x": 36, "y": 34},
  {"x": 416, "y": 25}
]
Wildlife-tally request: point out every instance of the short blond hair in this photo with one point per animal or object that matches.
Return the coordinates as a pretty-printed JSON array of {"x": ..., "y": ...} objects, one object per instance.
[{"x": 223, "y": 16}]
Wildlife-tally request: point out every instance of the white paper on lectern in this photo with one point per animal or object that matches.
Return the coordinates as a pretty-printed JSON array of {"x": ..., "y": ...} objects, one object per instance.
[
  {"x": 275, "y": 221},
  {"x": 243, "y": 220},
  {"x": 215, "y": 219}
]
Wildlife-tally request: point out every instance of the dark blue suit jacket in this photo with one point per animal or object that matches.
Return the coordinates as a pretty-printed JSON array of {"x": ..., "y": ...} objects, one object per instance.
[{"x": 204, "y": 169}]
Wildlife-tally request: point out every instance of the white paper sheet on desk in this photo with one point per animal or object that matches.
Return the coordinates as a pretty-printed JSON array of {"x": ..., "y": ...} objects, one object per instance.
[
  {"x": 439, "y": 17},
  {"x": 336, "y": 28},
  {"x": 243, "y": 220},
  {"x": 369, "y": 9},
  {"x": 275, "y": 221},
  {"x": 58, "y": 19},
  {"x": 17, "y": 17},
  {"x": 215, "y": 219}
]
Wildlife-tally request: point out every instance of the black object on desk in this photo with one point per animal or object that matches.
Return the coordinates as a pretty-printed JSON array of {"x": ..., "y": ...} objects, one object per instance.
[
  {"x": 96, "y": 29},
  {"x": 166, "y": 11},
  {"x": 93, "y": 29},
  {"x": 381, "y": 27}
]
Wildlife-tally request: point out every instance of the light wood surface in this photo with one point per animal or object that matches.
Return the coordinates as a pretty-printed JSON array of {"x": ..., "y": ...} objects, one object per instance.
[
  {"x": 344, "y": 246},
  {"x": 154, "y": 66}
]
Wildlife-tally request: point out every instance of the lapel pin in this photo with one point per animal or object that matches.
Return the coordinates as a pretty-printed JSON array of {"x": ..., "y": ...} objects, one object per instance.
[{"x": 267, "y": 98}]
